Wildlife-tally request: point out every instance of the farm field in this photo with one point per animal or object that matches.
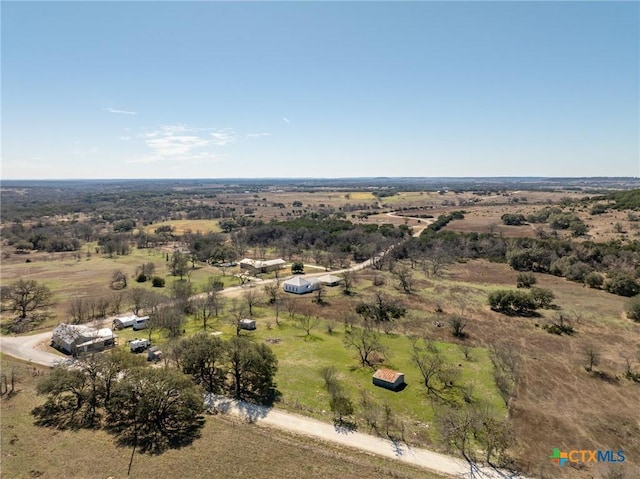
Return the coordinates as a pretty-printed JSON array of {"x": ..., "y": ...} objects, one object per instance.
[{"x": 182, "y": 226}]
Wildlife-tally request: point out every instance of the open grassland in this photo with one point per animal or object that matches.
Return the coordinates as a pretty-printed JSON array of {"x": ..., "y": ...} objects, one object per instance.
[
  {"x": 80, "y": 275},
  {"x": 557, "y": 403},
  {"x": 360, "y": 196},
  {"x": 228, "y": 448},
  {"x": 182, "y": 226}
]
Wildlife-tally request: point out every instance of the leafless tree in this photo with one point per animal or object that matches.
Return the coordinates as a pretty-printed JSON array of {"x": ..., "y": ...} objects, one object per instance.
[
  {"x": 506, "y": 368},
  {"x": 118, "y": 280},
  {"x": 366, "y": 343},
  {"x": 252, "y": 297},
  {"x": 78, "y": 311},
  {"x": 349, "y": 280},
  {"x": 592, "y": 357},
  {"x": 237, "y": 313},
  {"x": 377, "y": 262},
  {"x": 430, "y": 363},
  {"x": 116, "y": 302},
  {"x": 137, "y": 297},
  {"x": 102, "y": 306},
  {"x": 405, "y": 277},
  {"x": 307, "y": 319},
  {"x": 272, "y": 291},
  {"x": 319, "y": 294}
]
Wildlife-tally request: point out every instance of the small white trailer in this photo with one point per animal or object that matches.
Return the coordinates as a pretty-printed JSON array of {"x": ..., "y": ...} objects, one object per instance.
[
  {"x": 140, "y": 323},
  {"x": 138, "y": 345}
]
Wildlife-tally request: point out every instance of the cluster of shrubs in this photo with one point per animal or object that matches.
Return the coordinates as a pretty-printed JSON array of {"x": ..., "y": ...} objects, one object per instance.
[
  {"x": 520, "y": 302},
  {"x": 444, "y": 220}
]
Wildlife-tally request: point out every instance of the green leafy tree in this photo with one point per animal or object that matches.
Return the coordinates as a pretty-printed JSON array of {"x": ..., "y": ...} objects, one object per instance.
[
  {"x": 512, "y": 219},
  {"x": 152, "y": 410},
  {"x": 67, "y": 404},
  {"x": 542, "y": 297},
  {"x": 179, "y": 264},
  {"x": 341, "y": 406},
  {"x": 204, "y": 357},
  {"x": 623, "y": 285},
  {"x": 512, "y": 302},
  {"x": 297, "y": 267},
  {"x": 252, "y": 369},
  {"x": 633, "y": 309},
  {"x": 594, "y": 280},
  {"x": 525, "y": 280}
]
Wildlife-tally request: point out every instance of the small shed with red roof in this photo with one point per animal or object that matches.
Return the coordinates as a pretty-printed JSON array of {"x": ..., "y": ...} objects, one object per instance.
[{"x": 389, "y": 379}]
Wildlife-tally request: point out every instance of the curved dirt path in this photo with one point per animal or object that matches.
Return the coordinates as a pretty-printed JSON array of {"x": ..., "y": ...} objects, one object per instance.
[
  {"x": 27, "y": 349},
  {"x": 398, "y": 450}
]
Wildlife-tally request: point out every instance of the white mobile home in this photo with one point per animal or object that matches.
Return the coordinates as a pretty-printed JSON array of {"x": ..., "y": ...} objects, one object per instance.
[
  {"x": 124, "y": 322},
  {"x": 255, "y": 266},
  {"x": 140, "y": 323}
]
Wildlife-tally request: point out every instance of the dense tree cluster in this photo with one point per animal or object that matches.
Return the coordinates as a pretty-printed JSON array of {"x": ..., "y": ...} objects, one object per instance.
[
  {"x": 323, "y": 233},
  {"x": 613, "y": 265},
  {"x": 146, "y": 408},
  {"x": 238, "y": 367},
  {"x": 520, "y": 302}
]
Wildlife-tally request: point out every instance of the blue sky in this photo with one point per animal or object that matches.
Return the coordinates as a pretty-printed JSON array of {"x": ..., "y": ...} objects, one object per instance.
[{"x": 319, "y": 89}]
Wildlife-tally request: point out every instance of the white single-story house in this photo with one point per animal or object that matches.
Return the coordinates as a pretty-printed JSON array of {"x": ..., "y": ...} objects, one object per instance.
[
  {"x": 301, "y": 285},
  {"x": 77, "y": 338},
  {"x": 389, "y": 379},
  {"x": 248, "y": 324},
  {"x": 255, "y": 266},
  {"x": 330, "y": 279}
]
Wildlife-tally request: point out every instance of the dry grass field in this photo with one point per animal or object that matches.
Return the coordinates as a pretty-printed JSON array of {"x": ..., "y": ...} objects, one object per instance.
[
  {"x": 228, "y": 448},
  {"x": 557, "y": 403},
  {"x": 181, "y": 226},
  {"x": 71, "y": 276}
]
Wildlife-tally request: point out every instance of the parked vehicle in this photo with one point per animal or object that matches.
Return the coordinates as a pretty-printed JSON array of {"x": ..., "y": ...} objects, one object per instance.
[
  {"x": 138, "y": 345},
  {"x": 140, "y": 323},
  {"x": 154, "y": 354}
]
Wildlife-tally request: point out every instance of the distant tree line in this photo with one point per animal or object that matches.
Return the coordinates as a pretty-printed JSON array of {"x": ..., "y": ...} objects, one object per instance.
[{"x": 614, "y": 266}]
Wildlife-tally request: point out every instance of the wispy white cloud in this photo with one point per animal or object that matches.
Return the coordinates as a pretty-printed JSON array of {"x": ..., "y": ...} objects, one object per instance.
[
  {"x": 257, "y": 135},
  {"x": 122, "y": 112},
  {"x": 166, "y": 143},
  {"x": 223, "y": 137},
  {"x": 286, "y": 119},
  {"x": 181, "y": 143}
]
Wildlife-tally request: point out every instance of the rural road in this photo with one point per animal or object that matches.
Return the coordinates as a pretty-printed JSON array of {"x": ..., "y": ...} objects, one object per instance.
[{"x": 397, "y": 450}]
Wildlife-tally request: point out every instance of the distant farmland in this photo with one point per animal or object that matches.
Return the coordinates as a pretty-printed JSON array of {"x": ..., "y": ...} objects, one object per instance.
[{"x": 181, "y": 226}]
